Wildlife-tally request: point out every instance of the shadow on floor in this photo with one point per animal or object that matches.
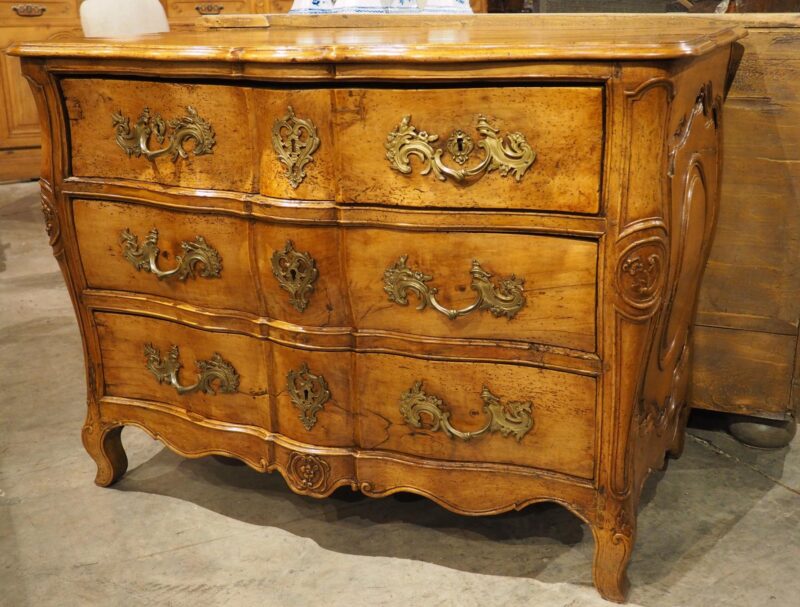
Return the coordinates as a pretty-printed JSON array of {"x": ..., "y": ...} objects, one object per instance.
[{"x": 682, "y": 516}]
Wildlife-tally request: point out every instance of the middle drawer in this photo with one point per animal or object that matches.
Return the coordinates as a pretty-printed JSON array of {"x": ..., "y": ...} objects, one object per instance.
[{"x": 438, "y": 284}]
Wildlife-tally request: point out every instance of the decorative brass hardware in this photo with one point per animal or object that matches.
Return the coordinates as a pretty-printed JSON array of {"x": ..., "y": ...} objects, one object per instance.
[
  {"x": 294, "y": 141},
  {"x": 296, "y": 272},
  {"x": 506, "y": 299},
  {"x": 209, "y": 9},
  {"x": 514, "y": 157},
  {"x": 134, "y": 142},
  {"x": 513, "y": 418},
  {"x": 29, "y": 10},
  {"x": 308, "y": 392},
  {"x": 217, "y": 369},
  {"x": 144, "y": 256}
]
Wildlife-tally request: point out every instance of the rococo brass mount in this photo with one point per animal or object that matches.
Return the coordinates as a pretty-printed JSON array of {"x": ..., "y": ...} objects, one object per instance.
[
  {"x": 514, "y": 157},
  {"x": 512, "y": 418},
  {"x": 308, "y": 392},
  {"x": 217, "y": 369},
  {"x": 144, "y": 256},
  {"x": 135, "y": 142},
  {"x": 294, "y": 141},
  {"x": 296, "y": 272},
  {"x": 504, "y": 300}
]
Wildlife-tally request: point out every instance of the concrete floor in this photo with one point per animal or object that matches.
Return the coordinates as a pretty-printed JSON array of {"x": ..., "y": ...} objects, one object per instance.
[{"x": 721, "y": 528}]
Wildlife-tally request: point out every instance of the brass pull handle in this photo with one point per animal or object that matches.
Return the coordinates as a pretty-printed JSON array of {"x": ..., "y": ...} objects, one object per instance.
[
  {"x": 512, "y": 418},
  {"x": 308, "y": 392},
  {"x": 505, "y": 299},
  {"x": 294, "y": 141},
  {"x": 135, "y": 141},
  {"x": 209, "y": 9},
  {"x": 514, "y": 156},
  {"x": 217, "y": 370},
  {"x": 29, "y": 10},
  {"x": 144, "y": 256},
  {"x": 296, "y": 272}
]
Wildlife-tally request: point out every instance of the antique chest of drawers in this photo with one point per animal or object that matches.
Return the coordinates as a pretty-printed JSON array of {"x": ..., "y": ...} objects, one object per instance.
[{"x": 458, "y": 259}]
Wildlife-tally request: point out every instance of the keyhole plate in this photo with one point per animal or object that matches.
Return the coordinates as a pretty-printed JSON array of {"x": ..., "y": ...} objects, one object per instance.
[{"x": 460, "y": 146}]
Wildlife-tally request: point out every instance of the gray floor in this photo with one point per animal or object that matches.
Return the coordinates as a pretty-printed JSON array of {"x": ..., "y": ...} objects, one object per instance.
[{"x": 720, "y": 528}]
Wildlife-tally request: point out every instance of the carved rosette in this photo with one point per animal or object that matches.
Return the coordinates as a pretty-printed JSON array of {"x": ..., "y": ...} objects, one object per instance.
[
  {"x": 308, "y": 473},
  {"x": 641, "y": 273}
]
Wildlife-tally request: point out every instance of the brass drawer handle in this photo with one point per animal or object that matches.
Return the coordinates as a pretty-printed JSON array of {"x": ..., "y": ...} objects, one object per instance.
[
  {"x": 135, "y": 141},
  {"x": 144, "y": 256},
  {"x": 209, "y": 9},
  {"x": 296, "y": 272},
  {"x": 294, "y": 141},
  {"x": 218, "y": 370},
  {"x": 513, "y": 417},
  {"x": 514, "y": 156},
  {"x": 29, "y": 10},
  {"x": 505, "y": 299},
  {"x": 308, "y": 392}
]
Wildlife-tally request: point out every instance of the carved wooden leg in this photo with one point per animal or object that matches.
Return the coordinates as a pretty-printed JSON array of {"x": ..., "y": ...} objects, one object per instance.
[
  {"x": 103, "y": 443},
  {"x": 613, "y": 544},
  {"x": 762, "y": 433}
]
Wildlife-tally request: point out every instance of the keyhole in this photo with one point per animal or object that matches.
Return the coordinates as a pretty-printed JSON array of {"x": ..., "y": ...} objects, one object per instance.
[
  {"x": 305, "y": 394},
  {"x": 460, "y": 143}
]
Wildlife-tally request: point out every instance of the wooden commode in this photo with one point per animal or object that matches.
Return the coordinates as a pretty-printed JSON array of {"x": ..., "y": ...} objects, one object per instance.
[{"x": 457, "y": 257}]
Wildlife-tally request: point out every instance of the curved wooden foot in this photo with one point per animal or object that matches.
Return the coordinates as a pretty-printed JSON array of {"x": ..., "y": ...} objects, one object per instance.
[
  {"x": 762, "y": 433},
  {"x": 612, "y": 552},
  {"x": 103, "y": 443}
]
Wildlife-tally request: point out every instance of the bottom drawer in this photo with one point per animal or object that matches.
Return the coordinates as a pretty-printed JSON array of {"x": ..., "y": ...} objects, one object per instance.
[
  {"x": 221, "y": 376},
  {"x": 442, "y": 410},
  {"x": 518, "y": 415}
]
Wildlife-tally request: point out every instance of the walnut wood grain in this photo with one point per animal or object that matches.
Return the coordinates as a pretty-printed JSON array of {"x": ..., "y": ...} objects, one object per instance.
[{"x": 600, "y": 351}]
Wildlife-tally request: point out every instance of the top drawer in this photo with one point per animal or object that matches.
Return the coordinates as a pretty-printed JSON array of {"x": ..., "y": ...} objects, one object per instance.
[
  {"x": 192, "y": 9},
  {"x": 191, "y": 135},
  {"x": 500, "y": 147}
]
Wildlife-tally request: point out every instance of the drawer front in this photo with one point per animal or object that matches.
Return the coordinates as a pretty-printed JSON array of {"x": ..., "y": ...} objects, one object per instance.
[
  {"x": 492, "y": 286},
  {"x": 16, "y": 12},
  {"x": 548, "y": 141},
  {"x": 136, "y": 351},
  {"x": 199, "y": 259},
  {"x": 192, "y": 9},
  {"x": 530, "y": 417},
  {"x": 194, "y": 135}
]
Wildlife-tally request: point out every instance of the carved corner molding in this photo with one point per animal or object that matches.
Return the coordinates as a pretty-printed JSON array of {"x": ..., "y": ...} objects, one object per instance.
[
  {"x": 706, "y": 105},
  {"x": 514, "y": 156}
]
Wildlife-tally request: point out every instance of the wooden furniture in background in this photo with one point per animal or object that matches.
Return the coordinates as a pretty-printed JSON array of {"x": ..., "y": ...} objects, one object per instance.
[{"x": 466, "y": 270}]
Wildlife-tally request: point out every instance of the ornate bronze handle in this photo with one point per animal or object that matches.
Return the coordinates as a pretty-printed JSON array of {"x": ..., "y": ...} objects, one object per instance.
[
  {"x": 135, "y": 141},
  {"x": 29, "y": 10},
  {"x": 294, "y": 140},
  {"x": 513, "y": 417},
  {"x": 209, "y": 9},
  {"x": 144, "y": 256},
  {"x": 308, "y": 392},
  {"x": 216, "y": 370},
  {"x": 296, "y": 272},
  {"x": 514, "y": 157},
  {"x": 504, "y": 300}
]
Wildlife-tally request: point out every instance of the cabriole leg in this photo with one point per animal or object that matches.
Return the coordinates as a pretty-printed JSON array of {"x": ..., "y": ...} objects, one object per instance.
[
  {"x": 613, "y": 544},
  {"x": 103, "y": 443}
]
